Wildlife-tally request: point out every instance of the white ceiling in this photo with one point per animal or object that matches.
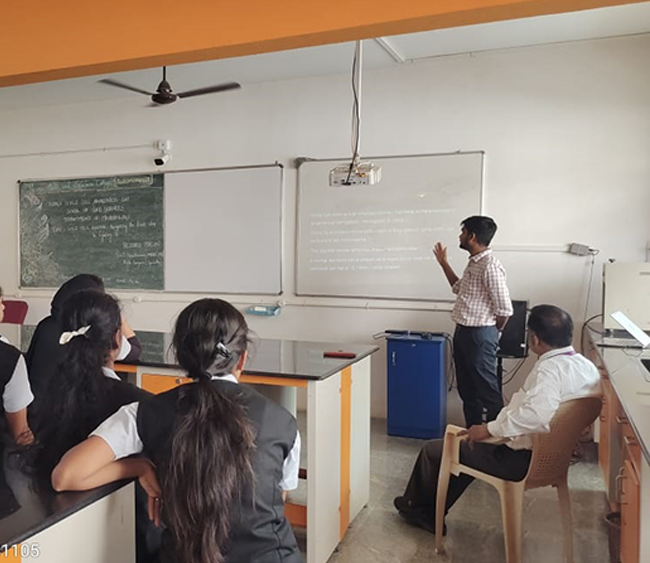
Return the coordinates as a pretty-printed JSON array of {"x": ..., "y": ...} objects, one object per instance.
[{"x": 334, "y": 59}]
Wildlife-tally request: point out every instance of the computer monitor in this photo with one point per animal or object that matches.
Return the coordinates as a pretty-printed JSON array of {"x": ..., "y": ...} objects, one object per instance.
[{"x": 514, "y": 342}]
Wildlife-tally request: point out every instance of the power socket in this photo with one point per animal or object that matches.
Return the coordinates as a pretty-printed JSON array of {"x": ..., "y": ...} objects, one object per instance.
[{"x": 578, "y": 249}]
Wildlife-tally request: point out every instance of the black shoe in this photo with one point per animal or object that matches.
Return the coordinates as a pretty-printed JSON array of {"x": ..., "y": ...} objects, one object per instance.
[
  {"x": 401, "y": 504},
  {"x": 416, "y": 518}
]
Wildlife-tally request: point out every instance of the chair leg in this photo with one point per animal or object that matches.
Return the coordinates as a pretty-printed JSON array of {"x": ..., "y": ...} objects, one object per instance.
[
  {"x": 565, "y": 508},
  {"x": 512, "y": 501},
  {"x": 443, "y": 487}
]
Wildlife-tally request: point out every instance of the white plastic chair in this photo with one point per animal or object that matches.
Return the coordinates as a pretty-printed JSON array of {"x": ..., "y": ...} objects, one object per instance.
[{"x": 549, "y": 465}]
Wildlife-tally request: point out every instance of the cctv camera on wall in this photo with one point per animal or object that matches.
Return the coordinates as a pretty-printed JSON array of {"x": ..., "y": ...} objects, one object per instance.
[
  {"x": 164, "y": 146},
  {"x": 162, "y": 159}
]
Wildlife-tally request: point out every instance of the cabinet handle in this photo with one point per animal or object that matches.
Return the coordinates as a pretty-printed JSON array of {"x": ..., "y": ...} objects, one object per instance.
[
  {"x": 619, "y": 486},
  {"x": 179, "y": 381},
  {"x": 622, "y": 420},
  {"x": 632, "y": 472},
  {"x": 630, "y": 441},
  {"x": 393, "y": 358}
]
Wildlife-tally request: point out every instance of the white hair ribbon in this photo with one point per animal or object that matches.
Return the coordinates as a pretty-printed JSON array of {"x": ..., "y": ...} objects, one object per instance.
[{"x": 67, "y": 336}]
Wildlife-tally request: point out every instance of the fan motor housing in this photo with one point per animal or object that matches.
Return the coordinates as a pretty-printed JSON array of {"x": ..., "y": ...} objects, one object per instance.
[{"x": 163, "y": 98}]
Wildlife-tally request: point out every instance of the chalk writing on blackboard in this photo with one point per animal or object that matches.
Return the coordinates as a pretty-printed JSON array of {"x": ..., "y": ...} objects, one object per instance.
[{"x": 112, "y": 227}]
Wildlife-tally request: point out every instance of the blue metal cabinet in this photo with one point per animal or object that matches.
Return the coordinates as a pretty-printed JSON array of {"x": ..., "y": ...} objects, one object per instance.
[{"x": 417, "y": 385}]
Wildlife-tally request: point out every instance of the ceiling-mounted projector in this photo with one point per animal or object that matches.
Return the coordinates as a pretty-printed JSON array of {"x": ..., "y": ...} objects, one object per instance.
[
  {"x": 356, "y": 172},
  {"x": 362, "y": 174}
]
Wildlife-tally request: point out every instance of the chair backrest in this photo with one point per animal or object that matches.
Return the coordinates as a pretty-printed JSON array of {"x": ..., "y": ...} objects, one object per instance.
[
  {"x": 552, "y": 451},
  {"x": 15, "y": 311}
]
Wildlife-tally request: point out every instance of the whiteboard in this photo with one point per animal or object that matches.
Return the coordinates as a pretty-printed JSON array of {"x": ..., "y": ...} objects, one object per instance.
[
  {"x": 223, "y": 230},
  {"x": 376, "y": 241}
]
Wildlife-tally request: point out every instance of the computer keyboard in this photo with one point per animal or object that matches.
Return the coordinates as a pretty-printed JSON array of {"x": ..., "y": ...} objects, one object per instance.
[{"x": 620, "y": 342}]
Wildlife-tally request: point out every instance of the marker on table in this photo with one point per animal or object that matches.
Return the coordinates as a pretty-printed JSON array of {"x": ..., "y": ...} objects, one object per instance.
[{"x": 340, "y": 354}]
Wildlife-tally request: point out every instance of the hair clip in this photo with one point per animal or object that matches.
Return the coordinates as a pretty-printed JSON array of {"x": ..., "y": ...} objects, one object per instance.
[
  {"x": 223, "y": 351},
  {"x": 67, "y": 336}
]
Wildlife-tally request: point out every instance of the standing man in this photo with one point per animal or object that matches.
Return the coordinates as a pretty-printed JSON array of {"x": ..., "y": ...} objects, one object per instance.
[{"x": 481, "y": 311}]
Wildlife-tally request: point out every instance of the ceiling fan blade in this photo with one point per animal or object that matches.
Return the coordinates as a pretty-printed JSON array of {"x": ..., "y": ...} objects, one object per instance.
[
  {"x": 117, "y": 84},
  {"x": 210, "y": 90}
]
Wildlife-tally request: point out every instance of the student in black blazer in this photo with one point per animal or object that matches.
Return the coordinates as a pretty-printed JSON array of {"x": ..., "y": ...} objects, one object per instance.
[
  {"x": 221, "y": 455},
  {"x": 15, "y": 391},
  {"x": 45, "y": 353},
  {"x": 85, "y": 390}
]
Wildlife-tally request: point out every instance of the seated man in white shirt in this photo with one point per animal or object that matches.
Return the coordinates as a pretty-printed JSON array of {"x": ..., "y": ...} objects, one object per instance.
[{"x": 560, "y": 374}]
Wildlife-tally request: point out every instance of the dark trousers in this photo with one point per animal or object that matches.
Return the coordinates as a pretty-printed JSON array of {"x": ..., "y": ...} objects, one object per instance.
[
  {"x": 475, "y": 357},
  {"x": 500, "y": 461}
]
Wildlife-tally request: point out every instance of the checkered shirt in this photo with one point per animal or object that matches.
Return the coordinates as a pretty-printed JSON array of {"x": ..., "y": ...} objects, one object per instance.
[{"x": 482, "y": 292}]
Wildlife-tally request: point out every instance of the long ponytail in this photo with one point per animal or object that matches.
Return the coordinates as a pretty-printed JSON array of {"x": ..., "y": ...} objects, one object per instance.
[
  {"x": 213, "y": 441},
  {"x": 68, "y": 412}
]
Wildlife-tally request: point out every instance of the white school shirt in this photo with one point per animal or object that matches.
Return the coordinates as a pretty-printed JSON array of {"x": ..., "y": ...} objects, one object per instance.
[
  {"x": 108, "y": 372},
  {"x": 125, "y": 349},
  {"x": 18, "y": 393},
  {"x": 120, "y": 432},
  {"x": 558, "y": 376}
]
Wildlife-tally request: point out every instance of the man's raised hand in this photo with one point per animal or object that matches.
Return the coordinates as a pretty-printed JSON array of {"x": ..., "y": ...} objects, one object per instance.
[{"x": 440, "y": 252}]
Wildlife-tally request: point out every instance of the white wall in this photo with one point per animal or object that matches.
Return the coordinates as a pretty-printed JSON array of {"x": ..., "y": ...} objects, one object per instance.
[{"x": 565, "y": 128}]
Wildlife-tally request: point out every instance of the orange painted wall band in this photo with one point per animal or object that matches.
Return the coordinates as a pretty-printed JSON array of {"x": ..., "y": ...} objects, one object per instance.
[
  {"x": 126, "y": 36},
  {"x": 346, "y": 425}
]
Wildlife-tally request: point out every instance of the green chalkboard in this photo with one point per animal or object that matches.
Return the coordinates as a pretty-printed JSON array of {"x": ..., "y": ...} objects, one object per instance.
[
  {"x": 154, "y": 349},
  {"x": 112, "y": 227}
]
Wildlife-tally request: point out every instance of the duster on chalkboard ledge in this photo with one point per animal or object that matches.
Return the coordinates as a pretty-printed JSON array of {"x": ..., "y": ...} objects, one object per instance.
[{"x": 164, "y": 94}]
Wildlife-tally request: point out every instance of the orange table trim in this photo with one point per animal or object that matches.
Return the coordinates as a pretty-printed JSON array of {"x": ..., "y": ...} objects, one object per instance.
[
  {"x": 296, "y": 514},
  {"x": 10, "y": 556},
  {"x": 245, "y": 378},
  {"x": 126, "y": 368},
  {"x": 156, "y": 383},
  {"x": 277, "y": 381}
]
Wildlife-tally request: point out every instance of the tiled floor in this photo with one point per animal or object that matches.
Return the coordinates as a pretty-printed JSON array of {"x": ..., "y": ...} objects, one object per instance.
[{"x": 380, "y": 535}]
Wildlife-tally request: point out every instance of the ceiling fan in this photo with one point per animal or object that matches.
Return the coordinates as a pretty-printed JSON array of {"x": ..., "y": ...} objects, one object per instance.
[{"x": 164, "y": 94}]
